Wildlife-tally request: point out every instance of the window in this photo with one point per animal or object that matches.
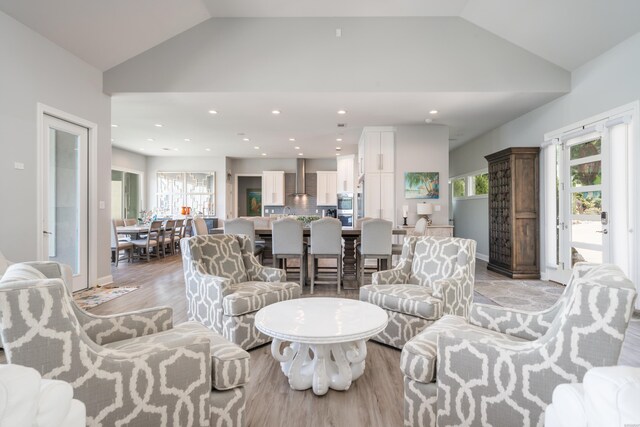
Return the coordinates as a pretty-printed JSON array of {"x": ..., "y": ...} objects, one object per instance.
[
  {"x": 474, "y": 184},
  {"x": 459, "y": 187},
  {"x": 480, "y": 184},
  {"x": 193, "y": 189}
]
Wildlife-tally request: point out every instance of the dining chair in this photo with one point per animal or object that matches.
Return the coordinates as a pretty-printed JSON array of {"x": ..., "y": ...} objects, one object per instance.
[
  {"x": 326, "y": 242},
  {"x": 375, "y": 243},
  {"x": 199, "y": 226},
  {"x": 166, "y": 237},
  {"x": 241, "y": 226},
  {"x": 178, "y": 234},
  {"x": 130, "y": 221},
  {"x": 119, "y": 245},
  {"x": 421, "y": 227},
  {"x": 151, "y": 241},
  {"x": 119, "y": 222},
  {"x": 287, "y": 243}
]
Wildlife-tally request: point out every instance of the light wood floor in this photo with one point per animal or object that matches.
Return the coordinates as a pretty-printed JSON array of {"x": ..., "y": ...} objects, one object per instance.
[{"x": 373, "y": 400}]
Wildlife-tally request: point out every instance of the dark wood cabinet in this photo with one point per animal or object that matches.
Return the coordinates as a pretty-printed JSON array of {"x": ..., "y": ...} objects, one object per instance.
[{"x": 514, "y": 231}]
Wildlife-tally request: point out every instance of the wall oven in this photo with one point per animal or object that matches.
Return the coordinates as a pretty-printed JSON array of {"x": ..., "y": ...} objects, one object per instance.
[{"x": 345, "y": 209}]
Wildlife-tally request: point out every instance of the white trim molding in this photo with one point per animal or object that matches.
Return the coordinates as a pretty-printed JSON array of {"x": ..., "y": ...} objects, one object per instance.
[{"x": 482, "y": 257}]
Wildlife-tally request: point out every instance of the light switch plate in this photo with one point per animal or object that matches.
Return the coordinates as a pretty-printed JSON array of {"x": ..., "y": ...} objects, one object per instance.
[
  {"x": 18, "y": 165},
  {"x": 101, "y": 204}
]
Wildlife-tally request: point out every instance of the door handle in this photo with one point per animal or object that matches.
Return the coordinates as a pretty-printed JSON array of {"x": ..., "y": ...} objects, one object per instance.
[
  {"x": 48, "y": 233},
  {"x": 605, "y": 231}
]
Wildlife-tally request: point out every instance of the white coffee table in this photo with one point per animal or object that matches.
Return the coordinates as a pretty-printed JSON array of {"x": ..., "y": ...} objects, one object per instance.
[{"x": 327, "y": 339}]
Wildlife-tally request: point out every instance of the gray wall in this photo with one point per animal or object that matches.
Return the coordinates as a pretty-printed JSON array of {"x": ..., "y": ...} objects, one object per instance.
[
  {"x": 239, "y": 166},
  {"x": 187, "y": 164},
  {"x": 422, "y": 148},
  {"x": 36, "y": 70},
  {"x": 607, "y": 82},
  {"x": 245, "y": 183},
  {"x": 128, "y": 160},
  {"x": 301, "y": 55}
]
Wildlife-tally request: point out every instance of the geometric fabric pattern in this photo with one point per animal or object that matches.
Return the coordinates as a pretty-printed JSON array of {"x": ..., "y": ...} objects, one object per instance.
[
  {"x": 434, "y": 277},
  {"x": 162, "y": 380},
  {"x": 226, "y": 286},
  {"x": 459, "y": 373}
]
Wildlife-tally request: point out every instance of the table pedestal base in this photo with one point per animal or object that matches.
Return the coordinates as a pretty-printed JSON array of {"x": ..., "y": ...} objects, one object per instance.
[{"x": 321, "y": 366}]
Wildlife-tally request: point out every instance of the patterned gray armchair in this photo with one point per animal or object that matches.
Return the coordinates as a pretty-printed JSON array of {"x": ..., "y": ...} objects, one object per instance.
[
  {"x": 501, "y": 367},
  {"x": 226, "y": 286},
  {"x": 132, "y": 369},
  {"x": 434, "y": 276}
]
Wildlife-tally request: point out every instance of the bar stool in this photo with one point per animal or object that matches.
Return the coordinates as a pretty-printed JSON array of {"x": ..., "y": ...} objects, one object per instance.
[
  {"x": 288, "y": 243},
  {"x": 246, "y": 227},
  {"x": 326, "y": 242},
  {"x": 375, "y": 243}
]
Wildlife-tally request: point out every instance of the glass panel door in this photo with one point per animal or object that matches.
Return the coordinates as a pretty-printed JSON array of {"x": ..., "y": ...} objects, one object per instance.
[
  {"x": 65, "y": 197},
  {"x": 586, "y": 201}
]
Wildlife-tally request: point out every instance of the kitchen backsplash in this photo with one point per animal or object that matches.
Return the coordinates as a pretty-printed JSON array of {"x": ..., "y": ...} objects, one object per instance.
[{"x": 300, "y": 205}]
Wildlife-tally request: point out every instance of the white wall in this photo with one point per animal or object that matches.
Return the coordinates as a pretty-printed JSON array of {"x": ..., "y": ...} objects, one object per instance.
[
  {"x": 187, "y": 164},
  {"x": 422, "y": 148},
  {"x": 609, "y": 81},
  {"x": 128, "y": 160},
  {"x": 239, "y": 166},
  {"x": 36, "y": 70}
]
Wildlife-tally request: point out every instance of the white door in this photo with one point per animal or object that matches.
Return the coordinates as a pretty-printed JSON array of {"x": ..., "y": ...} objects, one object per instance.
[
  {"x": 65, "y": 197},
  {"x": 585, "y": 199},
  {"x": 387, "y": 202}
]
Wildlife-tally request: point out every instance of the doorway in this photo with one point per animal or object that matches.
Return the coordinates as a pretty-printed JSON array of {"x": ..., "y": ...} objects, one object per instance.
[
  {"x": 127, "y": 193},
  {"x": 65, "y": 196},
  {"x": 249, "y": 195},
  {"x": 588, "y": 165}
]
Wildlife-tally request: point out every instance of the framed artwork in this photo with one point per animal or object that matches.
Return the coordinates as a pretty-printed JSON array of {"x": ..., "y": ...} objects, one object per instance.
[
  {"x": 422, "y": 185},
  {"x": 254, "y": 202}
]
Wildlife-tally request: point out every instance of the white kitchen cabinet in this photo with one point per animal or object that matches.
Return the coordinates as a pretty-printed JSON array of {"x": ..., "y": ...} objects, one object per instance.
[
  {"x": 273, "y": 188},
  {"x": 346, "y": 166},
  {"x": 377, "y": 149},
  {"x": 379, "y": 201},
  {"x": 326, "y": 188}
]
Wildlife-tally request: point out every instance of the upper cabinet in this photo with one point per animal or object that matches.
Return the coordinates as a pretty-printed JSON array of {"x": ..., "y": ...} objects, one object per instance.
[
  {"x": 273, "y": 188},
  {"x": 346, "y": 182},
  {"x": 327, "y": 184},
  {"x": 376, "y": 151}
]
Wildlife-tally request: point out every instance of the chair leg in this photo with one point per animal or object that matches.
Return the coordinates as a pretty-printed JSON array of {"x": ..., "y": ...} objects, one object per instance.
[
  {"x": 339, "y": 265},
  {"x": 302, "y": 272},
  {"x": 275, "y": 261},
  {"x": 117, "y": 256},
  {"x": 313, "y": 274},
  {"x": 363, "y": 261}
]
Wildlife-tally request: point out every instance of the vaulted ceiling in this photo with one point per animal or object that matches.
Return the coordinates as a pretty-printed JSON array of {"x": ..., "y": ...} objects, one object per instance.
[{"x": 480, "y": 63}]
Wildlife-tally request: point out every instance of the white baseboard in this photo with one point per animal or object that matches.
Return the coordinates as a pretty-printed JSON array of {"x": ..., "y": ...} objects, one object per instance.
[
  {"x": 482, "y": 257},
  {"x": 105, "y": 280}
]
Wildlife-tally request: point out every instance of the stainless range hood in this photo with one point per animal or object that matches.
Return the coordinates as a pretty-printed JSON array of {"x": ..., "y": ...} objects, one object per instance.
[{"x": 301, "y": 180}]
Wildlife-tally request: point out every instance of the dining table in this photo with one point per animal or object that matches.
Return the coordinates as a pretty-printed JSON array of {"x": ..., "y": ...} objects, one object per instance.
[
  {"x": 349, "y": 235},
  {"x": 133, "y": 230}
]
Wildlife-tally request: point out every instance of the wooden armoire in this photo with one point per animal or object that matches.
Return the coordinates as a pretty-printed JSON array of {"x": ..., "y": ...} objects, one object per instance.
[{"x": 514, "y": 229}]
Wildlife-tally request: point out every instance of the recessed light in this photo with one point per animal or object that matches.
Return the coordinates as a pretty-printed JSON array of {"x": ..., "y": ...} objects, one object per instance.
[
  {"x": 292, "y": 139},
  {"x": 256, "y": 148},
  {"x": 300, "y": 154},
  {"x": 276, "y": 112},
  {"x": 433, "y": 112},
  {"x": 213, "y": 112},
  {"x": 158, "y": 125},
  {"x": 339, "y": 139},
  {"x": 342, "y": 112},
  {"x": 246, "y": 139},
  {"x": 114, "y": 125},
  {"x": 338, "y": 148},
  {"x": 150, "y": 139},
  {"x": 207, "y": 149},
  {"x": 264, "y": 154},
  {"x": 187, "y": 140},
  {"x": 428, "y": 120},
  {"x": 296, "y": 148}
]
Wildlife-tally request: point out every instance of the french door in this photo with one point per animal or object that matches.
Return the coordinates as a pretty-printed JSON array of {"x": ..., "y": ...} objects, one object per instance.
[
  {"x": 65, "y": 197},
  {"x": 586, "y": 201}
]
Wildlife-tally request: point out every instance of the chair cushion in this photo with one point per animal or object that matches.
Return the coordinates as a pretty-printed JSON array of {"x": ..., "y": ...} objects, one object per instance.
[
  {"x": 229, "y": 362},
  {"x": 248, "y": 297},
  {"x": 434, "y": 258},
  {"x": 220, "y": 256},
  {"x": 20, "y": 271},
  {"x": 419, "y": 355},
  {"x": 414, "y": 300}
]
